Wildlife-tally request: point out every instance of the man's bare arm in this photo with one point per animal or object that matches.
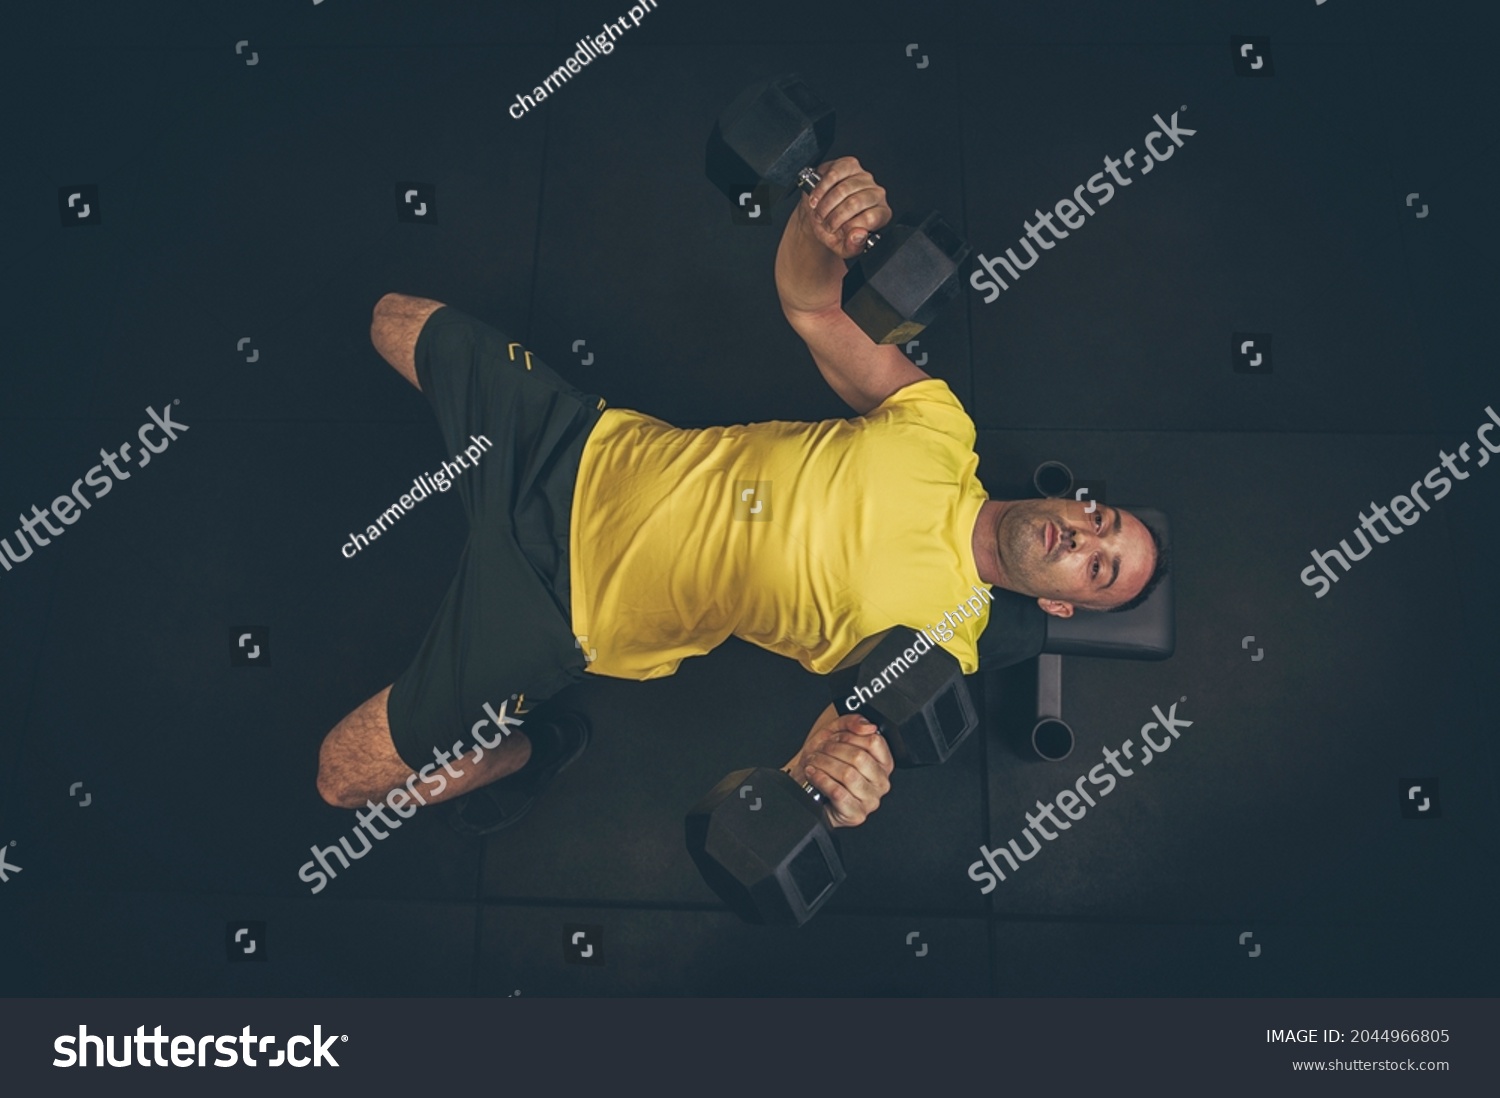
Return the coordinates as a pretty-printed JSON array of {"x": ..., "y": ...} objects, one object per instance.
[{"x": 827, "y": 227}]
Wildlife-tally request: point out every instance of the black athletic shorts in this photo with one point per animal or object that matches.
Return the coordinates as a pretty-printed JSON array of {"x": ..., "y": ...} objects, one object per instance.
[{"x": 505, "y": 625}]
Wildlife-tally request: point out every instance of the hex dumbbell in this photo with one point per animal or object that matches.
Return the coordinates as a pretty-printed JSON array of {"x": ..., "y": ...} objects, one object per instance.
[
  {"x": 759, "y": 837},
  {"x": 760, "y": 841},
  {"x": 771, "y": 136}
]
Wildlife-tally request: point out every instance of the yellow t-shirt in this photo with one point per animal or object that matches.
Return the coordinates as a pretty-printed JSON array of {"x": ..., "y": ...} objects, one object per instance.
[{"x": 802, "y": 538}]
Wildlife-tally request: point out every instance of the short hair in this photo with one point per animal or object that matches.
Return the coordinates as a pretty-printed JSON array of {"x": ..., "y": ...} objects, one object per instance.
[{"x": 1163, "y": 566}]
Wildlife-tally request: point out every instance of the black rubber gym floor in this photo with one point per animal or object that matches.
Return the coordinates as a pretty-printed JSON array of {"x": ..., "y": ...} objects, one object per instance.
[{"x": 153, "y": 796}]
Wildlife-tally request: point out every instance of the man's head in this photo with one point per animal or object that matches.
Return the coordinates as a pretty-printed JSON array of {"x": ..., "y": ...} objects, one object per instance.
[{"x": 1069, "y": 557}]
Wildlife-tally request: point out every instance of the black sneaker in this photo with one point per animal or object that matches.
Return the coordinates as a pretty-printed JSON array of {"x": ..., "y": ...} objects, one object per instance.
[{"x": 555, "y": 746}]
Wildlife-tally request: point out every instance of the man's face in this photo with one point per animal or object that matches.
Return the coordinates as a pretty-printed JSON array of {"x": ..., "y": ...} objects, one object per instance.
[{"x": 1058, "y": 551}]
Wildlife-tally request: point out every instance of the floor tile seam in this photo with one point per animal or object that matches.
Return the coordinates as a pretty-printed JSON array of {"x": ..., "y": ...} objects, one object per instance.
[
  {"x": 1276, "y": 432},
  {"x": 96, "y": 420},
  {"x": 1479, "y": 923},
  {"x": 704, "y": 908},
  {"x": 216, "y": 896},
  {"x": 1407, "y": 267},
  {"x": 982, "y": 428}
]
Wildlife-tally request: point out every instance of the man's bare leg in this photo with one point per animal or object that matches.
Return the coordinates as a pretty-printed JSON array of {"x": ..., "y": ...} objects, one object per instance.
[
  {"x": 358, "y": 762},
  {"x": 395, "y": 326}
]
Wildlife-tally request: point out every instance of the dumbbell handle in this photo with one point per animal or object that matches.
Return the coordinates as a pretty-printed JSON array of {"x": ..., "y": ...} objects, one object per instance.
[
  {"x": 808, "y": 179},
  {"x": 807, "y": 786}
]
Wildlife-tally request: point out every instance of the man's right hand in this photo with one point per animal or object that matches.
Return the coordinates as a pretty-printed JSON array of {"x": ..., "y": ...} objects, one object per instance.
[
  {"x": 810, "y": 273},
  {"x": 847, "y": 761},
  {"x": 844, "y": 208}
]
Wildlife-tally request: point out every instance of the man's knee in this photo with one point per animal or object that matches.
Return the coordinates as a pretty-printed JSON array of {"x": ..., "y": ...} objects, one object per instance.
[
  {"x": 337, "y": 784},
  {"x": 394, "y": 304},
  {"x": 333, "y": 790},
  {"x": 358, "y": 759}
]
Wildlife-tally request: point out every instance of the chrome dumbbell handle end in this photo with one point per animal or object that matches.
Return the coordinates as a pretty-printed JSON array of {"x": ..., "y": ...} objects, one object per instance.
[{"x": 807, "y": 786}]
